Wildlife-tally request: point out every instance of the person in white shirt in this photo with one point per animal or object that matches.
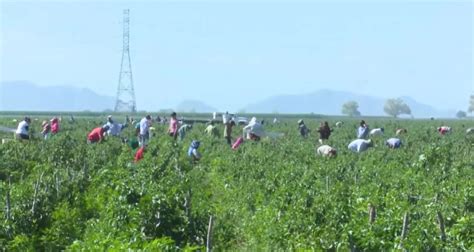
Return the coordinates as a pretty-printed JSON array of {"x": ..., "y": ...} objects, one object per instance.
[
  {"x": 326, "y": 151},
  {"x": 254, "y": 130},
  {"x": 393, "y": 143},
  {"x": 377, "y": 132},
  {"x": 470, "y": 131},
  {"x": 144, "y": 135},
  {"x": 23, "y": 128},
  {"x": 360, "y": 145}
]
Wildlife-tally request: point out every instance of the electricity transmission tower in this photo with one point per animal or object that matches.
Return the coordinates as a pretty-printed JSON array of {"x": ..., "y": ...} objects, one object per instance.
[{"x": 125, "y": 101}]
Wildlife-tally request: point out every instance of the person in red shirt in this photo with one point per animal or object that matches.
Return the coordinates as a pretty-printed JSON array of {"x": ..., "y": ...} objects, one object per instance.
[
  {"x": 139, "y": 153},
  {"x": 97, "y": 134},
  {"x": 54, "y": 125}
]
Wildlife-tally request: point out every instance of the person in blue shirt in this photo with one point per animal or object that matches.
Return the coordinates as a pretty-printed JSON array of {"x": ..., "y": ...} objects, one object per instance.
[{"x": 193, "y": 150}]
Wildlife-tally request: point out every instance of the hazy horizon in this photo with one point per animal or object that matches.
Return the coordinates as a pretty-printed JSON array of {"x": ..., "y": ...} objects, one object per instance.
[{"x": 231, "y": 54}]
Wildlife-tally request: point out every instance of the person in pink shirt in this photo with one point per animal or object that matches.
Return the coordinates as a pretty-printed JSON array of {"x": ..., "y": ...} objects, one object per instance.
[
  {"x": 173, "y": 129},
  {"x": 54, "y": 125}
]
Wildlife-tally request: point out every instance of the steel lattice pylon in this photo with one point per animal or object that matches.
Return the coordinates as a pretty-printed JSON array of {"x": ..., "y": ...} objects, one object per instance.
[{"x": 125, "y": 101}]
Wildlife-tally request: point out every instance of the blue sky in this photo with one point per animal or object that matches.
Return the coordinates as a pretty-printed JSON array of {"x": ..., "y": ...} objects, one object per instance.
[{"x": 229, "y": 54}]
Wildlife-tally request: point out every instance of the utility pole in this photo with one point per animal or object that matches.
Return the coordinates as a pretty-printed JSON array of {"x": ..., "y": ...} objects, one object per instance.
[{"x": 125, "y": 101}]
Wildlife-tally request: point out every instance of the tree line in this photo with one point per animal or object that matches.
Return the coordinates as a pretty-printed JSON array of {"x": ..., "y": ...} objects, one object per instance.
[{"x": 397, "y": 107}]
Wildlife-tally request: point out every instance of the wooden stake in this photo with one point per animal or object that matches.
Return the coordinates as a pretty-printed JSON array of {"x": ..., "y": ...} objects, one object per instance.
[
  {"x": 441, "y": 226},
  {"x": 209, "y": 235},
  {"x": 405, "y": 225},
  {"x": 372, "y": 214},
  {"x": 8, "y": 207}
]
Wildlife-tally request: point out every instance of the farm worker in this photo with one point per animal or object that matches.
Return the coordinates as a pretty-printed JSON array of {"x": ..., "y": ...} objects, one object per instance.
[
  {"x": 401, "y": 131},
  {"x": 173, "y": 128},
  {"x": 110, "y": 121},
  {"x": 275, "y": 120},
  {"x": 97, "y": 134},
  {"x": 225, "y": 117},
  {"x": 304, "y": 131},
  {"x": 144, "y": 134},
  {"x": 443, "y": 130},
  {"x": 193, "y": 152},
  {"x": 470, "y": 131},
  {"x": 326, "y": 151},
  {"x": 363, "y": 130},
  {"x": 132, "y": 142},
  {"x": 377, "y": 132},
  {"x": 393, "y": 143},
  {"x": 137, "y": 129},
  {"x": 139, "y": 153},
  {"x": 71, "y": 119},
  {"x": 211, "y": 130},
  {"x": 324, "y": 132},
  {"x": 339, "y": 124},
  {"x": 23, "y": 128},
  {"x": 254, "y": 130},
  {"x": 54, "y": 125},
  {"x": 360, "y": 145},
  {"x": 228, "y": 131},
  {"x": 115, "y": 128},
  {"x": 46, "y": 129},
  {"x": 182, "y": 130}
]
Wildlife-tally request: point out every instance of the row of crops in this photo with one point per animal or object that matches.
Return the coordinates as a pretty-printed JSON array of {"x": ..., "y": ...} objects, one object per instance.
[{"x": 63, "y": 194}]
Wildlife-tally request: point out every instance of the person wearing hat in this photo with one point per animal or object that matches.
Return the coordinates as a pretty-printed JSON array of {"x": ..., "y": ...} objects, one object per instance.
[
  {"x": 144, "y": 134},
  {"x": 363, "y": 130},
  {"x": 193, "y": 150},
  {"x": 173, "y": 127},
  {"x": 23, "y": 129},
  {"x": 228, "y": 131},
  {"x": 54, "y": 125},
  {"x": 324, "y": 132},
  {"x": 97, "y": 134},
  {"x": 115, "y": 128},
  {"x": 304, "y": 131},
  {"x": 360, "y": 145},
  {"x": 393, "y": 143},
  {"x": 46, "y": 128}
]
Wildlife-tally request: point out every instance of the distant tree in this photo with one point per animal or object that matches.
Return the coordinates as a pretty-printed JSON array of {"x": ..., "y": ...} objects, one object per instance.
[
  {"x": 471, "y": 104},
  {"x": 396, "y": 107},
  {"x": 461, "y": 114},
  {"x": 351, "y": 108}
]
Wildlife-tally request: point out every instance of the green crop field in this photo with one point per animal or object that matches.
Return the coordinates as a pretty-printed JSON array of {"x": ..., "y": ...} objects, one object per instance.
[{"x": 276, "y": 194}]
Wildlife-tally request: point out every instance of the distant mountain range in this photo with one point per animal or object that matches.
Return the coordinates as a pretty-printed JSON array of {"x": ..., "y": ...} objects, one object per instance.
[
  {"x": 194, "y": 106},
  {"x": 26, "y": 96}
]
